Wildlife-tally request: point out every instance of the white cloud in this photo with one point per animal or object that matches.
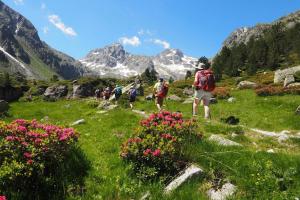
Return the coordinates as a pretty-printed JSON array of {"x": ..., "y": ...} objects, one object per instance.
[
  {"x": 43, "y": 6},
  {"x": 133, "y": 41},
  {"x": 45, "y": 29},
  {"x": 56, "y": 21},
  {"x": 19, "y": 2},
  {"x": 145, "y": 32},
  {"x": 164, "y": 44}
]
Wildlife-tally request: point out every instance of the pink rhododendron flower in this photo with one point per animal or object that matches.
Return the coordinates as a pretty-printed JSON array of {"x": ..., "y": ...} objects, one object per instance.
[
  {"x": 147, "y": 152},
  {"x": 22, "y": 128},
  {"x": 156, "y": 153},
  {"x": 9, "y": 138},
  {"x": 2, "y": 198},
  {"x": 29, "y": 162},
  {"x": 27, "y": 155}
]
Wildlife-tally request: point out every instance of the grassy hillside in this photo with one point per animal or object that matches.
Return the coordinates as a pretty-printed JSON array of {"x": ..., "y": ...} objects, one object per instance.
[{"x": 257, "y": 174}]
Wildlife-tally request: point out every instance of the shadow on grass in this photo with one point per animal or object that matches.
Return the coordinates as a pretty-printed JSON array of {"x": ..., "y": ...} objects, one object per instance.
[{"x": 59, "y": 180}]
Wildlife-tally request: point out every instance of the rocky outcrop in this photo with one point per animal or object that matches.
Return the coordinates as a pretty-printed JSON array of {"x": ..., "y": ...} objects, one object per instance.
[
  {"x": 246, "y": 85},
  {"x": 84, "y": 90},
  {"x": 288, "y": 80},
  {"x": 280, "y": 75},
  {"x": 298, "y": 110},
  {"x": 10, "y": 93},
  {"x": 55, "y": 92}
]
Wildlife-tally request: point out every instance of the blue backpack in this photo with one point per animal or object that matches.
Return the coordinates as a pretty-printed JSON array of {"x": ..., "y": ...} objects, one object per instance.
[
  {"x": 133, "y": 93},
  {"x": 118, "y": 91}
]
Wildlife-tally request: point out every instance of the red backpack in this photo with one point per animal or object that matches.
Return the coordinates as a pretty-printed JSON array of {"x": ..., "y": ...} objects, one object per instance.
[
  {"x": 164, "y": 91},
  {"x": 206, "y": 80}
]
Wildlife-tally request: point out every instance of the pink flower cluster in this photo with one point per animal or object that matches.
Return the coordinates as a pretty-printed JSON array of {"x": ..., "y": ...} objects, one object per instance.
[
  {"x": 35, "y": 139},
  {"x": 168, "y": 136},
  {"x": 2, "y": 197},
  {"x": 155, "y": 153},
  {"x": 165, "y": 118}
]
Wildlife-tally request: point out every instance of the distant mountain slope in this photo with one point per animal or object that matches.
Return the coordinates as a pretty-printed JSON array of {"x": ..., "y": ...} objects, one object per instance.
[
  {"x": 114, "y": 61},
  {"x": 243, "y": 35},
  {"x": 259, "y": 48},
  {"x": 21, "y": 50}
]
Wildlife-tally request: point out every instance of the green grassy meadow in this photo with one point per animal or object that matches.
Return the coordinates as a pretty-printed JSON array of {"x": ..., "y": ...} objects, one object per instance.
[{"x": 256, "y": 173}]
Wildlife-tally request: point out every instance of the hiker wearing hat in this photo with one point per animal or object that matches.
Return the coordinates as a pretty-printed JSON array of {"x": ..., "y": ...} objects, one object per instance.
[
  {"x": 160, "y": 91},
  {"x": 132, "y": 93},
  {"x": 204, "y": 84},
  {"x": 118, "y": 92}
]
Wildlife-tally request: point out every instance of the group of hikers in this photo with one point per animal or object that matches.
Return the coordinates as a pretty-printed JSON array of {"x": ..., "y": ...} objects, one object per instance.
[{"x": 203, "y": 85}]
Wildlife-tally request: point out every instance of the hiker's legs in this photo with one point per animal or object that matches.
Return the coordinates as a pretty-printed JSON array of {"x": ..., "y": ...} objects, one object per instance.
[
  {"x": 158, "y": 103},
  {"x": 206, "y": 108},
  {"x": 195, "y": 106}
]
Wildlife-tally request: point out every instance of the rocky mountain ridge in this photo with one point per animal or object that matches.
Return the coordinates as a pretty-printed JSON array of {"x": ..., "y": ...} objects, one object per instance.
[
  {"x": 21, "y": 50},
  {"x": 114, "y": 61}
]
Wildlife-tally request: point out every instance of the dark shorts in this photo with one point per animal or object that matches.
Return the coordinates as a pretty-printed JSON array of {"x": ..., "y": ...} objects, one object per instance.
[
  {"x": 117, "y": 97},
  {"x": 131, "y": 99},
  {"x": 159, "y": 100}
]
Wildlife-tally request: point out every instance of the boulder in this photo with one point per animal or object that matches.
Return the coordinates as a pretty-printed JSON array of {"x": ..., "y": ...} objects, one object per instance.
[
  {"x": 174, "y": 97},
  {"x": 3, "y": 106},
  {"x": 213, "y": 100},
  {"x": 106, "y": 105},
  {"x": 188, "y": 91},
  {"x": 288, "y": 80},
  {"x": 298, "y": 110},
  {"x": 280, "y": 75},
  {"x": 246, "y": 85},
  {"x": 226, "y": 191},
  {"x": 84, "y": 90},
  {"x": 231, "y": 99},
  {"x": 149, "y": 97},
  {"x": 80, "y": 121},
  {"x": 55, "y": 92},
  {"x": 222, "y": 141}
]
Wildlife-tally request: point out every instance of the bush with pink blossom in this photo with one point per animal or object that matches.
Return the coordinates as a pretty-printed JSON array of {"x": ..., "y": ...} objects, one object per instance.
[
  {"x": 33, "y": 154},
  {"x": 155, "y": 150}
]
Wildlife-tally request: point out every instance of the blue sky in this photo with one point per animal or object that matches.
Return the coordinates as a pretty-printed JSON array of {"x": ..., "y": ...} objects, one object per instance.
[{"x": 197, "y": 27}]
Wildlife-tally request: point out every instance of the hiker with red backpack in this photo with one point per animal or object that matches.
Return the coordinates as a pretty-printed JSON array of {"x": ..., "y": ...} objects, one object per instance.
[
  {"x": 160, "y": 91},
  {"x": 204, "y": 84}
]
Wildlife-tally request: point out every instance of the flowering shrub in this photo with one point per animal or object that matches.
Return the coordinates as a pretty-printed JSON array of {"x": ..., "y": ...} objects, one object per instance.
[
  {"x": 2, "y": 198},
  {"x": 156, "y": 147},
  {"x": 31, "y": 152},
  {"x": 276, "y": 90}
]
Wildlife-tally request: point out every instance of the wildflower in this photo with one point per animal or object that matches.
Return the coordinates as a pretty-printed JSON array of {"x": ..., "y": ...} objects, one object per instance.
[
  {"x": 22, "y": 128},
  {"x": 29, "y": 162},
  {"x": 9, "y": 138},
  {"x": 2, "y": 198},
  {"x": 147, "y": 152},
  {"x": 156, "y": 153},
  {"x": 27, "y": 155}
]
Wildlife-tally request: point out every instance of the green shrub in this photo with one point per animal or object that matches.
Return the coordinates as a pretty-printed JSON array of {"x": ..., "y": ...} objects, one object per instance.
[
  {"x": 37, "y": 159},
  {"x": 155, "y": 150}
]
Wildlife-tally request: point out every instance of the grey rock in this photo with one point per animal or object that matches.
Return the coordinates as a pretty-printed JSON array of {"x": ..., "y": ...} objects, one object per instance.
[
  {"x": 80, "y": 121},
  {"x": 84, "y": 90},
  {"x": 142, "y": 113},
  {"x": 192, "y": 170},
  {"x": 297, "y": 111},
  {"x": 188, "y": 91},
  {"x": 3, "y": 106},
  {"x": 270, "y": 151},
  {"x": 174, "y": 97},
  {"x": 280, "y": 75},
  {"x": 55, "y": 92},
  {"x": 149, "y": 97},
  {"x": 247, "y": 85},
  {"x": 213, "y": 100},
  {"x": 288, "y": 80},
  {"x": 231, "y": 99},
  {"x": 226, "y": 191},
  {"x": 106, "y": 105},
  {"x": 223, "y": 141}
]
